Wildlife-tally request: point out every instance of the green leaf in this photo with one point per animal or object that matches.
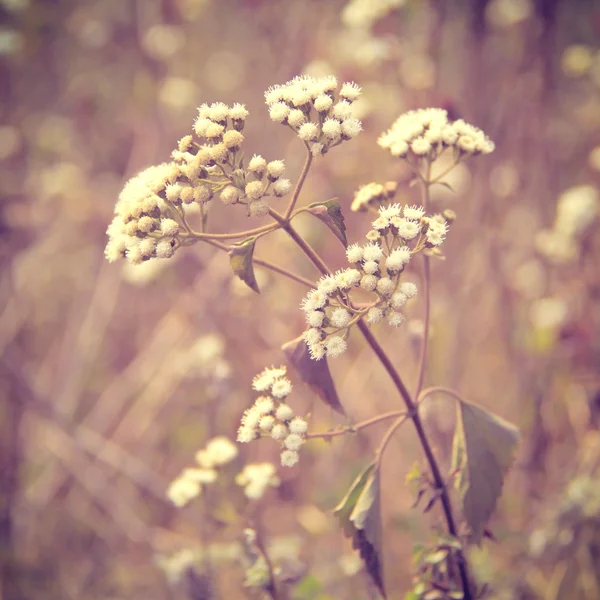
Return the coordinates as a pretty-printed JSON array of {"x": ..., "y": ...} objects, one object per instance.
[
  {"x": 330, "y": 212},
  {"x": 482, "y": 452},
  {"x": 359, "y": 515},
  {"x": 240, "y": 259},
  {"x": 313, "y": 372}
]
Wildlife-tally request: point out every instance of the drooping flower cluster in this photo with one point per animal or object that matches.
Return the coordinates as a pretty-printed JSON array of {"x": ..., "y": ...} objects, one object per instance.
[
  {"x": 145, "y": 225},
  {"x": 309, "y": 106},
  {"x": 376, "y": 267},
  {"x": 427, "y": 132},
  {"x": 188, "y": 485},
  {"x": 270, "y": 416},
  {"x": 150, "y": 213}
]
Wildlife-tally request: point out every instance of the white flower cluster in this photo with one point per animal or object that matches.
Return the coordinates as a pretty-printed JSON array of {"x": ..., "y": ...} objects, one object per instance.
[
  {"x": 214, "y": 164},
  {"x": 397, "y": 234},
  {"x": 144, "y": 226},
  {"x": 372, "y": 194},
  {"x": 188, "y": 485},
  {"x": 256, "y": 478},
  {"x": 271, "y": 416},
  {"x": 149, "y": 219},
  {"x": 427, "y": 133},
  {"x": 309, "y": 106}
]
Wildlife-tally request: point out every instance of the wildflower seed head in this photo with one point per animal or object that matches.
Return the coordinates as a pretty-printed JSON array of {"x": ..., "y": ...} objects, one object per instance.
[
  {"x": 414, "y": 212},
  {"x": 289, "y": 458},
  {"x": 397, "y": 259},
  {"x": 298, "y": 426},
  {"x": 385, "y": 286},
  {"x": 279, "y": 432},
  {"x": 293, "y": 441},
  {"x": 246, "y": 434},
  {"x": 340, "y": 318},
  {"x": 282, "y": 187},
  {"x": 284, "y": 412},
  {"x": 296, "y": 118},
  {"x": 374, "y": 316},
  {"x": 354, "y": 253},
  {"x": 238, "y": 112},
  {"x": 258, "y": 208},
  {"x": 230, "y": 195},
  {"x": 350, "y": 91},
  {"x": 275, "y": 169},
  {"x": 266, "y": 423},
  {"x": 373, "y": 252},
  {"x": 427, "y": 131},
  {"x": 264, "y": 380},
  {"x": 315, "y": 318},
  {"x": 281, "y": 388},
  {"x": 335, "y": 346},
  {"x": 308, "y": 132},
  {"x": 407, "y": 229},
  {"x": 257, "y": 164},
  {"x": 264, "y": 405},
  {"x": 369, "y": 283},
  {"x": 323, "y": 103},
  {"x": 409, "y": 289},
  {"x": 233, "y": 139},
  {"x": 395, "y": 319},
  {"x": 254, "y": 190},
  {"x": 398, "y": 300}
]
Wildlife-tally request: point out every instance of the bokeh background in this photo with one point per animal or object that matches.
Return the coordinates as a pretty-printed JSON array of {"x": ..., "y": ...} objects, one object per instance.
[{"x": 112, "y": 376}]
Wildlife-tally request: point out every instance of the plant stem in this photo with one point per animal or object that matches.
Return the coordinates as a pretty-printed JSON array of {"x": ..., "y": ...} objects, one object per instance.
[
  {"x": 233, "y": 236},
  {"x": 299, "y": 184},
  {"x": 441, "y": 390},
  {"x": 268, "y": 265},
  {"x": 357, "y": 427},
  {"x": 426, "y": 286}
]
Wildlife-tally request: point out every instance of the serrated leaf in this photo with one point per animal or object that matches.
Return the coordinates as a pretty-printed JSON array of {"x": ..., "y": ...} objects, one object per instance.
[
  {"x": 482, "y": 451},
  {"x": 313, "y": 372},
  {"x": 330, "y": 212},
  {"x": 240, "y": 259},
  {"x": 359, "y": 515}
]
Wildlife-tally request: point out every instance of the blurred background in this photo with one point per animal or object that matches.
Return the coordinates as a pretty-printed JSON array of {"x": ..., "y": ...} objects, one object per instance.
[{"x": 112, "y": 376}]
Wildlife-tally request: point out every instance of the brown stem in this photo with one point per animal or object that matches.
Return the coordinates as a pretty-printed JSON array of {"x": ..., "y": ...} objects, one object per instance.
[
  {"x": 233, "y": 236},
  {"x": 441, "y": 390},
  {"x": 268, "y": 265},
  {"x": 357, "y": 427},
  {"x": 299, "y": 184},
  {"x": 423, "y": 355}
]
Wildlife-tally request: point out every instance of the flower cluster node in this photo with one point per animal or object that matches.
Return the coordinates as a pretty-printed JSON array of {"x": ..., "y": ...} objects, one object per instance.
[
  {"x": 309, "y": 106},
  {"x": 427, "y": 132},
  {"x": 270, "y": 416},
  {"x": 376, "y": 268}
]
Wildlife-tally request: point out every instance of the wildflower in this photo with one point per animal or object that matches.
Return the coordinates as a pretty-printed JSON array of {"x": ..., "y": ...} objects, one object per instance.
[
  {"x": 281, "y": 388},
  {"x": 370, "y": 267},
  {"x": 279, "y": 432},
  {"x": 264, "y": 380},
  {"x": 367, "y": 195},
  {"x": 340, "y": 317},
  {"x": 293, "y": 441},
  {"x": 298, "y": 426},
  {"x": 354, "y": 253},
  {"x": 282, "y": 187},
  {"x": 256, "y": 478},
  {"x": 257, "y": 164},
  {"x": 368, "y": 283},
  {"x": 372, "y": 252},
  {"x": 395, "y": 319},
  {"x": 397, "y": 259},
  {"x": 263, "y": 405},
  {"x": 266, "y": 423},
  {"x": 335, "y": 346},
  {"x": 414, "y": 212},
  {"x": 289, "y": 458},
  {"x": 284, "y": 412},
  {"x": 374, "y": 316},
  {"x": 409, "y": 289},
  {"x": 182, "y": 490},
  {"x": 219, "y": 451},
  {"x": 385, "y": 286}
]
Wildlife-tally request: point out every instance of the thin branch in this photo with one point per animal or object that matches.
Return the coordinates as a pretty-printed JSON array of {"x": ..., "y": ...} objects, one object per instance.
[
  {"x": 356, "y": 428},
  {"x": 299, "y": 184}
]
